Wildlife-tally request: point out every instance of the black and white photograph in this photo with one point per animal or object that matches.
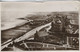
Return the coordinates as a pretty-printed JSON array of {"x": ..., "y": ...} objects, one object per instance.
[{"x": 27, "y": 26}]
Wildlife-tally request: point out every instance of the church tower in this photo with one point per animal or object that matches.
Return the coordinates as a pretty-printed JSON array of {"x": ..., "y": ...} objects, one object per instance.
[{"x": 36, "y": 36}]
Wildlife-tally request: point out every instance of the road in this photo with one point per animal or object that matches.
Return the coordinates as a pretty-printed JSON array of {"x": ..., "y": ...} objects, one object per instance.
[
  {"x": 30, "y": 33},
  {"x": 26, "y": 36}
]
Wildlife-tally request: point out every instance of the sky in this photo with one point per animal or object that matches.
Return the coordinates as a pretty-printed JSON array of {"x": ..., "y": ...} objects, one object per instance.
[
  {"x": 10, "y": 11},
  {"x": 13, "y": 10}
]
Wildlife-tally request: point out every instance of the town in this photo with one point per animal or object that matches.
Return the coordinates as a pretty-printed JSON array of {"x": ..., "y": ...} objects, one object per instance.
[{"x": 54, "y": 32}]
